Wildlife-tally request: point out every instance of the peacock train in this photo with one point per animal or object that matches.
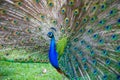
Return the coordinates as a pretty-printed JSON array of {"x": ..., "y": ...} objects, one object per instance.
[{"x": 79, "y": 38}]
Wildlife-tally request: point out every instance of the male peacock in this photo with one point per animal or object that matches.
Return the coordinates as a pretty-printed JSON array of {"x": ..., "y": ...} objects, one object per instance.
[{"x": 84, "y": 35}]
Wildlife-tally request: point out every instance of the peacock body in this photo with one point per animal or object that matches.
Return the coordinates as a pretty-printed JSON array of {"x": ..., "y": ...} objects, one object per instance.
[{"x": 81, "y": 38}]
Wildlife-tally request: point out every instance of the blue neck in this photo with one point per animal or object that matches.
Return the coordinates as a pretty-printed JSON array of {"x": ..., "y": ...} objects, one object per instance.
[{"x": 53, "y": 55}]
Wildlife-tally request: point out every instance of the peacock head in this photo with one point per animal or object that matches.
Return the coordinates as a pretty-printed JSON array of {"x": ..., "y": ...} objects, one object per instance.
[{"x": 50, "y": 34}]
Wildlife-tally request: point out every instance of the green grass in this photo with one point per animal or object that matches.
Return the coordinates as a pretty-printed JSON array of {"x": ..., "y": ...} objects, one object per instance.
[
  {"x": 27, "y": 71},
  {"x": 32, "y": 69}
]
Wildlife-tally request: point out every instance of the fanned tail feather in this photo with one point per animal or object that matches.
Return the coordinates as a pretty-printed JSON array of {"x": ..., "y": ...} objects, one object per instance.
[
  {"x": 92, "y": 29},
  {"x": 93, "y": 48}
]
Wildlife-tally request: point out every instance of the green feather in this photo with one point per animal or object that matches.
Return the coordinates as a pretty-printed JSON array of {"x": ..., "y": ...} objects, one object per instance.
[{"x": 61, "y": 44}]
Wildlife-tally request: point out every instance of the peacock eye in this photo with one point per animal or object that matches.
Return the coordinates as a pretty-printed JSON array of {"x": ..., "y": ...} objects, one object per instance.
[
  {"x": 50, "y": 34},
  {"x": 63, "y": 10},
  {"x": 76, "y": 11}
]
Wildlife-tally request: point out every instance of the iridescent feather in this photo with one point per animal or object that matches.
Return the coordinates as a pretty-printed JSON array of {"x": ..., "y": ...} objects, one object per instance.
[{"x": 87, "y": 35}]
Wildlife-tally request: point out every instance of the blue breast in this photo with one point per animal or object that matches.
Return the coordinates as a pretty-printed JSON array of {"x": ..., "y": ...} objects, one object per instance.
[{"x": 53, "y": 55}]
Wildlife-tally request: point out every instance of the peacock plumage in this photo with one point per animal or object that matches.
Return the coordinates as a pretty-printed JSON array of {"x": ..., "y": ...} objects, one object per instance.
[{"x": 80, "y": 38}]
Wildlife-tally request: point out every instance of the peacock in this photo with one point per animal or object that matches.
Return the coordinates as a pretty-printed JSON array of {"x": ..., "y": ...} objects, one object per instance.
[{"x": 80, "y": 38}]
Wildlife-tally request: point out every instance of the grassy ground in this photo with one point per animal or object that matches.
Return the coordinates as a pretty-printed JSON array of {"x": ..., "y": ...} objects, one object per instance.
[
  {"x": 27, "y": 71},
  {"x": 20, "y": 69}
]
